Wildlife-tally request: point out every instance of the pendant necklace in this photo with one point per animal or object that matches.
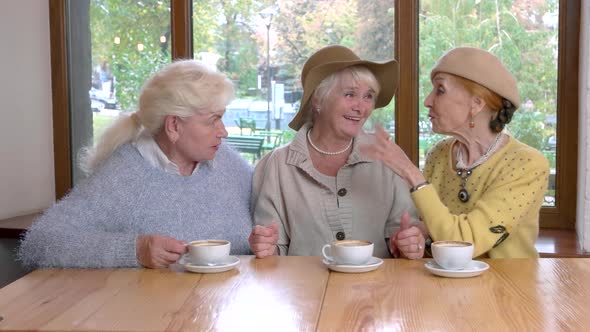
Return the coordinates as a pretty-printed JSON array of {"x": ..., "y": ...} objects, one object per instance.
[
  {"x": 327, "y": 152},
  {"x": 464, "y": 172}
]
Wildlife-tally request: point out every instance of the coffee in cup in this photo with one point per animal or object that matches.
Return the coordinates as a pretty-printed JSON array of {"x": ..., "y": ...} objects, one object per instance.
[
  {"x": 348, "y": 252},
  {"x": 205, "y": 252},
  {"x": 452, "y": 255}
]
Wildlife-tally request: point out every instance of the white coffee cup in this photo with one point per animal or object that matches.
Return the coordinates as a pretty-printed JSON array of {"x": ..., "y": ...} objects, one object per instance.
[
  {"x": 204, "y": 252},
  {"x": 348, "y": 252},
  {"x": 452, "y": 255}
]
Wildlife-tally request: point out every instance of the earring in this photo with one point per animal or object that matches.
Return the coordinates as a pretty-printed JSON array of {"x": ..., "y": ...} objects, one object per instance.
[
  {"x": 317, "y": 110},
  {"x": 471, "y": 123}
]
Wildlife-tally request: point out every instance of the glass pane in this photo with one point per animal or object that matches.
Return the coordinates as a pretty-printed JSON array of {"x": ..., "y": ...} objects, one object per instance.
[
  {"x": 262, "y": 47},
  {"x": 114, "y": 46},
  {"x": 524, "y": 34}
]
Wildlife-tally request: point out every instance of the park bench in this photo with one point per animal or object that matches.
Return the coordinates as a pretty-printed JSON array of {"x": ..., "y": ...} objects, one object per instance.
[
  {"x": 246, "y": 144},
  {"x": 246, "y": 123},
  {"x": 272, "y": 139}
]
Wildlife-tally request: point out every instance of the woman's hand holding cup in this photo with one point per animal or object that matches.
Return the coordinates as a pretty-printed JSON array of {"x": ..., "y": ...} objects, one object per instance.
[
  {"x": 156, "y": 251},
  {"x": 263, "y": 240}
]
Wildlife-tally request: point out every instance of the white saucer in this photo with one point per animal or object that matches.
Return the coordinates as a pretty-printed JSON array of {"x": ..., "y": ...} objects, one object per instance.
[
  {"x": 231, "y": 263},
  {"x": 475, "y": 268},
  {"x": 371, "y": 265}
]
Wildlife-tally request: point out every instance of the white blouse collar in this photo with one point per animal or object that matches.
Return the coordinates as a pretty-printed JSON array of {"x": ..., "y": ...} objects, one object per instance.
[{"x": 150, "y": 151}]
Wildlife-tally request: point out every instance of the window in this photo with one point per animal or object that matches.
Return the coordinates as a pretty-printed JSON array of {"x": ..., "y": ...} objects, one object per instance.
[
  {"x": 128, "y": 42},
  {"x": 262, "y": 46},
  {"x": 114, "y": 46}
]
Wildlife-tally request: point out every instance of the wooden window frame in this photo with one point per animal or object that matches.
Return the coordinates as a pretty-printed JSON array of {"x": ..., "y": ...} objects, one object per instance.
[{"x": 563, "y": 215}]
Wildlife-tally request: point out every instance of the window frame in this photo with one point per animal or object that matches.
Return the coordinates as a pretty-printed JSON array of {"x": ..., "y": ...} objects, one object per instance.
[{"x": 562, "y": 215}]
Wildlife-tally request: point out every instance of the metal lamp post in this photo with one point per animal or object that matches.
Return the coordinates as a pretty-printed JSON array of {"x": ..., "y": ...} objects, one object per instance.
[{"x": 267, "y": 15}]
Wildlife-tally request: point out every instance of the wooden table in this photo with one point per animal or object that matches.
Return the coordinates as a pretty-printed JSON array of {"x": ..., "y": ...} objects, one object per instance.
[{"x": 300, "y": 294}]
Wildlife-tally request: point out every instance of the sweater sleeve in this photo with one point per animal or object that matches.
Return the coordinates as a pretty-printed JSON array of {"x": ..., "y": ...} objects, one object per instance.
[
  {"x": 267, "y": 202},
  {"x": 495, "y": 215},
  {"x": 85, "y": 229},
  {"x": 402, "y": 203}
]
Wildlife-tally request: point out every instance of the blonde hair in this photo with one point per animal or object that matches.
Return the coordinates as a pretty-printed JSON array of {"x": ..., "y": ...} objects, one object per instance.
[
  {"x": 492, "y": 99},
  {"x": 327, "y": 85},
  {"x": 182, "y": 88},
  {"x": 502, "y": 108}
]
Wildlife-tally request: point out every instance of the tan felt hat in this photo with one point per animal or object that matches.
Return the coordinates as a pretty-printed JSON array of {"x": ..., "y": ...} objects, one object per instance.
[
  {"x": 479, "y": 66},
  {"x": 331, "y": 59}
]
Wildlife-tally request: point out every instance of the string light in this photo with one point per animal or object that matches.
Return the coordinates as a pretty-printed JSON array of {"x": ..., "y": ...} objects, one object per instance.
[
  {"x": 117, "y": 40},
  {"x": 162, "y": 39},
  {"x": 140, "y": 47}
]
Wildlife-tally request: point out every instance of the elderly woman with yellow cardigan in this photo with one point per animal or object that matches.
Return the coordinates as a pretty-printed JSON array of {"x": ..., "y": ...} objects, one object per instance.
[{"x": 480, "y": 185}]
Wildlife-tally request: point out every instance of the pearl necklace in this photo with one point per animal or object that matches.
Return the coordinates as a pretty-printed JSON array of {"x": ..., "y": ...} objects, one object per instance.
[
  {"x": 327, "y": 152},
  {"x": 464, "y": 172}
]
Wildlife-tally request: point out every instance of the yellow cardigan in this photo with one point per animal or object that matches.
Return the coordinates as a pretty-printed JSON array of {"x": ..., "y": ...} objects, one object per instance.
[{"x": 501, "y": 217}]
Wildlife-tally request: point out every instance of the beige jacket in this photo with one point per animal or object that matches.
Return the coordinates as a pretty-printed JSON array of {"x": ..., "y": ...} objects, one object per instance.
[{"x": 364, "y": 201}]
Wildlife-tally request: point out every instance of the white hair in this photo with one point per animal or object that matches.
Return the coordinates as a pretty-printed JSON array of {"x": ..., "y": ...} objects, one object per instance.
[
  {"x": 182, "y": 88},
  {"x": 327, "y": 85}
]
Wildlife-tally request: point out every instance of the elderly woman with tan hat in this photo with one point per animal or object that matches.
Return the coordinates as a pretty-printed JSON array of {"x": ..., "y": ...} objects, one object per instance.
[
  {"x": 480, "y": 185},
  {"x": 320, "y": 188},
  {"x": 158, "y": 178}
]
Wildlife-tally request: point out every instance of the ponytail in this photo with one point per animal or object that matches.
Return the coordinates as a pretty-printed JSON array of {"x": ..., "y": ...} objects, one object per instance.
[{"x": 123, "y": 130}]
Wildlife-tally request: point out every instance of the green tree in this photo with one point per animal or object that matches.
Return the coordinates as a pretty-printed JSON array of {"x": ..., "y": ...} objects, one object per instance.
[
  {"x": 528, "y": 128},
  {"x": 204, "y": 26},
  {"x": 376, "y": 41},
  {"x": 305, "y": 26},
  {"x": 376, "y": 33},
  {"x": 235, "y": 42},
  {"x": 117, "y": 28}
]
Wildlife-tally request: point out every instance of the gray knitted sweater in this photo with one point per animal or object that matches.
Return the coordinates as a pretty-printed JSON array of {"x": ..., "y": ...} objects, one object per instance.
[{"x": 96, "y": 225}]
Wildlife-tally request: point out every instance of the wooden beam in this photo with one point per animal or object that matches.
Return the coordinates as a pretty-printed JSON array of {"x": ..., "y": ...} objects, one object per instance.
[
  {"x": 60, "y": 95},
  {"x": 406, "y": 101},
  {"x": 182, "y": 26},
  {"x": 563, "y": 215}
]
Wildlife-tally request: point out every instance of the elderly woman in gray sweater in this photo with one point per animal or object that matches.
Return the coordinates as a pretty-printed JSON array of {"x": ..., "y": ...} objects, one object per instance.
[
  {"x": 320, "y": 188},
  {"x": 158, "y": 178}
]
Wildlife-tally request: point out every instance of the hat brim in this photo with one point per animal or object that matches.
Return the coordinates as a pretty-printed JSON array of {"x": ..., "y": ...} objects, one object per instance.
[{"x": 386, "y": 73}]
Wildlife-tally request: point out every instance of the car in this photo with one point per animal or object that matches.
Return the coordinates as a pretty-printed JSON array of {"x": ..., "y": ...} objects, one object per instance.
[
  {"x": 103, "y": 97},
  {"x": 96, "y": 105},
  {"x": 551, "y": 143}
]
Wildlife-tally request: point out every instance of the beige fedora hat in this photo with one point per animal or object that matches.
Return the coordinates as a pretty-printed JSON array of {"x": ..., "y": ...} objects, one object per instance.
[
  {"x": 331, "y": 59},
  {"x": 481, "y": 67}
]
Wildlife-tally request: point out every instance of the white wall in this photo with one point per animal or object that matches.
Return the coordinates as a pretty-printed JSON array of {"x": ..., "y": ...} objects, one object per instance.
[
  {"x": 583, "y": 213},
  {"x": 26, "y": 142}
]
